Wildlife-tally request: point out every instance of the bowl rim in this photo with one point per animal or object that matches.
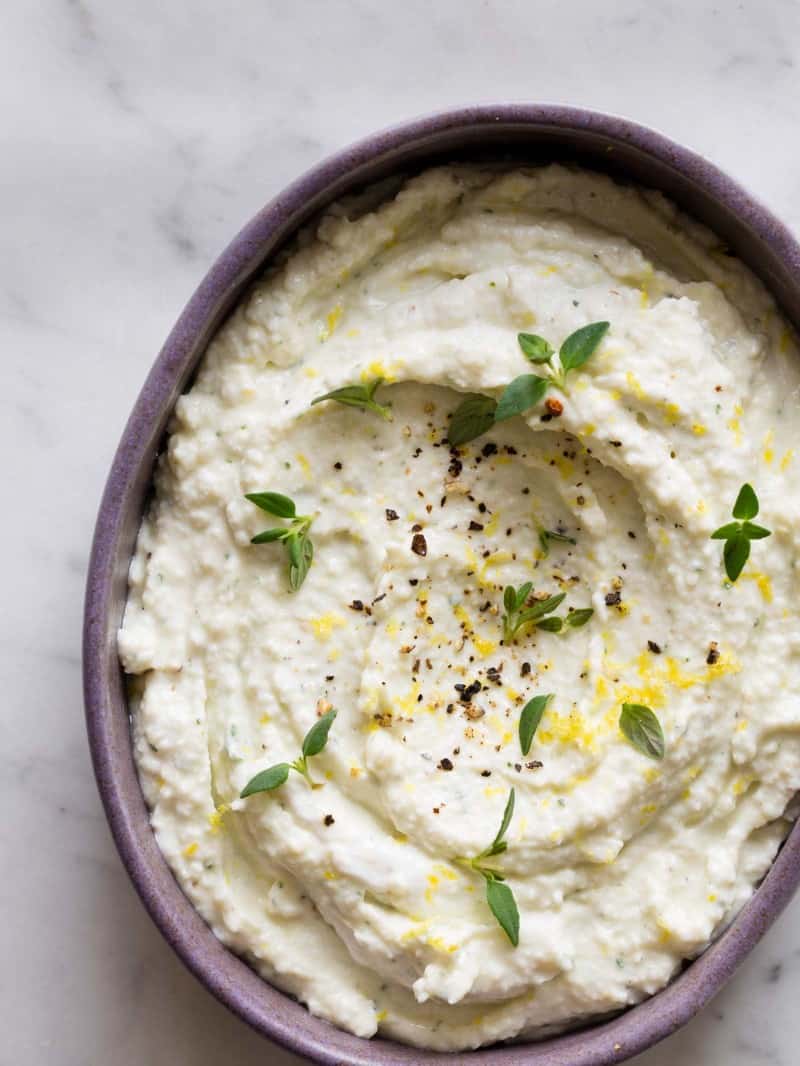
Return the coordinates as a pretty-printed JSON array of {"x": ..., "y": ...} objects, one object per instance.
[{"x": 230, "y": 979}]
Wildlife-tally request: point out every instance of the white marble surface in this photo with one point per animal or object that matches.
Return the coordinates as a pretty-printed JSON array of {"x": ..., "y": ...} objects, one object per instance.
[{"x": 137, "y": 136}]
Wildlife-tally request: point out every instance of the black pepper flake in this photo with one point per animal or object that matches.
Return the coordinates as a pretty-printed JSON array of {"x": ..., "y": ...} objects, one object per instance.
[
  {"x": 456, "y": 466},
  {"x": 445, "y": 764},
  {"x": 534, "y": 764},
  {"x": 490, "y": 448},
  {"x": 615, "y": 443},
  {"x": 476, "y": 527},
  {"x": 653, "y": 647},
  {"x": 713, "y": 653},
  {"x": 525, "y": 669},
  {"x": 580, "y": 500},
  {"x": 413, "y": 581},
  {"x": 416, "y": 528},
  {"x": 329, "y": 677},
  {"x": 631, "y": 534},
  {"x": 419, "y": 545},
  {"x": 466, "y": 692},
  {"x": 337, "y": 466},
  {"x": 329, "y": 819},
  {"x": 518, "y": 767},
  {"x": 391, "y": 516},
  {"x": 613, "y": 599},
  {"x": 486, "y": 773},
  {"x": 450, "y": 708}
]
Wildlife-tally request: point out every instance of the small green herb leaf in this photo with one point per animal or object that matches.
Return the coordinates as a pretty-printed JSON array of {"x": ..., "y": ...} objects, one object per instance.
[
  {"x": 317, "y": 736},
  {"x": 746, "y": 505},
  {"x": 266, "y": 780},
  {"x": 581, "y": 344},
  {"x": 315, "y": 740},
  {"x": 737, "y": 535},
  {"x": 504, "y": 907},
  {"x": 301, "y": 556},
  {"x": 521, "y": 394},
  {"x": 735, "y": 554},
  {"x": 754, "y": 532},
  {"x": 516, "y": 615},
  {"x": 542, "y": 607},
  {"x": 295, "y": 537},
  {"x": 642, "y": 729},
  {"x": 576, "y": 619},
  {"x": 506, "y": 820},
  {"x": 536, "y": 349},
  {"x": 731, "y": 529},
  {"x": 358, "y": 396},
  {"x": 529, "y": 720},
  {"x": 279, "y": 533},
  {"x": 523, "y": 592},
  {"x": 561, "y": 538},
  {"x": 273, "y": 503},
  {"x": 473, "y": 417},
  {"x": 498, "y": 896}
]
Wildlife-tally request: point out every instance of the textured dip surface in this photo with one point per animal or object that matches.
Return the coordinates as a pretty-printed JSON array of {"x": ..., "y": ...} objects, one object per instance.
[{"x": 621, "y": 865}]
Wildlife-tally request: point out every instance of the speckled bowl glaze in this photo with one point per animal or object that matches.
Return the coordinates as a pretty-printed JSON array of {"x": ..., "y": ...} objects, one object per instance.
[{"x": 522, "y": 134}]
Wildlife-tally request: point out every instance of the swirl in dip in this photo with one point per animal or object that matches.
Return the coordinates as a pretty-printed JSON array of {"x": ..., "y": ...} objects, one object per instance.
[{"x": 621, "y": 865}]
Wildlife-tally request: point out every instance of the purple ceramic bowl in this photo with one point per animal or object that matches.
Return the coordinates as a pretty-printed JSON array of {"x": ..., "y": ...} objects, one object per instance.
[{"x": 519, "y": 133}]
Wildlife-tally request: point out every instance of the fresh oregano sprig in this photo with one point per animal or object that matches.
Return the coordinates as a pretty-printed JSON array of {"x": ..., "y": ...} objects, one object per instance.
[
  {"x": 498, "y": 895},
  {"x": 539, "y": 614},
  {"x": 274, "y": 776},
  {"x": 294, "y": 537},
  {"x": 359, "y": 396},
  {"x": 529, "y": 720},
  {"x": 737, "y": 535},
  {"x": 642, "y": 728},
  {"x": 478, "y": 413}
]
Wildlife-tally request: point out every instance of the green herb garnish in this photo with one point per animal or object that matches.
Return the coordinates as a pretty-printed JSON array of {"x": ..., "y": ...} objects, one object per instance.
[
  {"x": 498, "y": 895},
  {"x": 358, "y": 396},
  {"x": 536, "y": 349},
  {"x": 737, "y": 535},
  {"x": 546, "y": 535},
  {"x": 274, "y": 776},
  {"x": 518, "y": 614},
  {"x": 579, "y": 346},
  {"x": 642, "y": 729},
  {"x": 523, "y": 393},
  {"x": 295, "y": 536},
  {"x": 478, "y": 413},
  {"x": 574, "y": 352},
  {"x": 529, "y": 720},
  {"x": 473, "y": 416}
]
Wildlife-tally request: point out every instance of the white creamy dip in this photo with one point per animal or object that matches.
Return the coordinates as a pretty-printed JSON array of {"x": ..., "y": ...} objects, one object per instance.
[{"x": 621, "y": 865}]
